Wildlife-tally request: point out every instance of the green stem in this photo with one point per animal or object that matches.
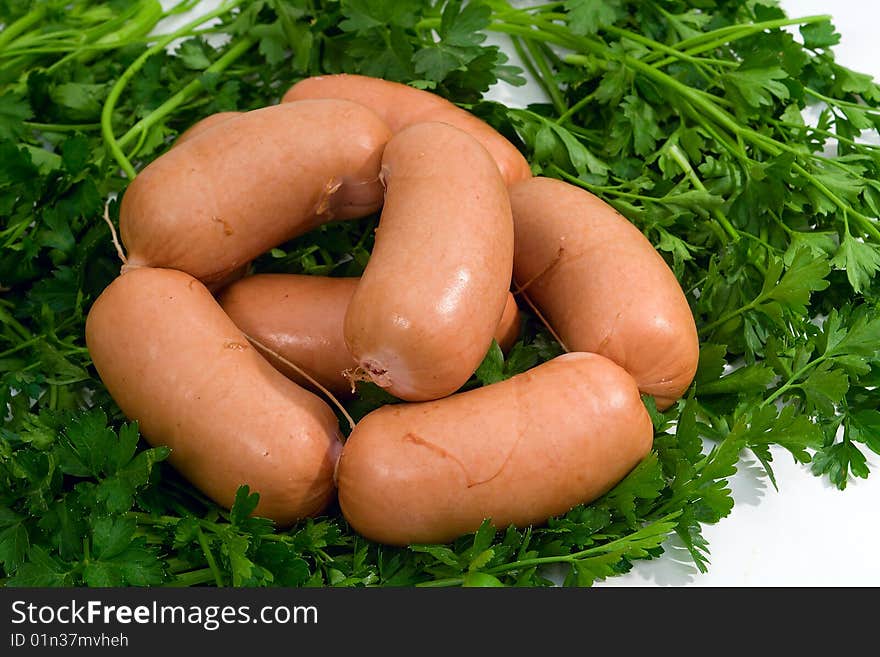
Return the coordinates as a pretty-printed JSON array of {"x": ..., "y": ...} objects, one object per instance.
[
  {"x": 841, "y": 103},
  {"x": 136, "y": 21},
  {"x": 110, "y": 104},
  {"x": 148, "y": 519},
  {"x": 825, "y": 133},
  {"x": 612, "y": 546},
  {"x": 546, "y": 77},
  {"x": 23, "y": 24},
  {"x": 726, "y": 35},
  {"x": 681, "y": 159},
  {"x": 574, "y": 109},
  {"x": 734, "y": 313},
  {"x": 864, "y": 221},
  {"x": 672, "y": 52},
  {"x": 63, "y": 127},
  {"x": 192, "y": 578},
  {"x": 209, "y": 557},
  {"x": 521, "y": 51},
  {"x": 791, "y": 381}
]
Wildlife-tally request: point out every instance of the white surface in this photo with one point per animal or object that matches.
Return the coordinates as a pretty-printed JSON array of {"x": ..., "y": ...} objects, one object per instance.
[{"x": 809, "y": 533}]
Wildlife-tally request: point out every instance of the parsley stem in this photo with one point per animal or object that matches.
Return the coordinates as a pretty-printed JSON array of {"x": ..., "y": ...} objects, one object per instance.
[
  {"x": 864, "y": 221},
  {"x": 663, "y": 526},
  {"x": 209, "y": 557},
  {"x": 671, "y": 51},
  {"x": 727, "y": 317},
  {"x": 63, "y": 127},
  {"x": 574, "y": 109},
  {"x": 230, "y": 56},
  {"x": 110, "y": 103},
  {"x": 192, "y": 578},
  {"x": 681, "y": 159},
  {"x": 546, "y": 76},
  {"x": 792, "y": 379},
  {"x": 726, "y": 35},
  {"x": 841, "y": 103},
  {"x": 24, "y": 23},
  {"x": 825, "y": 133}
]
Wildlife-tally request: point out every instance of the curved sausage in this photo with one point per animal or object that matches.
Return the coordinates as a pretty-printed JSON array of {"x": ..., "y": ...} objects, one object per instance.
[
  {"x": 301, "y": 317},
  {"x": 204, "y": 125},
  {"x": 508, "y": 330},
  {"x": 435, "y": 287},
  {"x": 402, "y": 106},
  {"x": 223, "y": 197},
  {"x": 602, "y": 287},
  {"x": 174, "y": 362},
  {"x": 517, "y": 452}
]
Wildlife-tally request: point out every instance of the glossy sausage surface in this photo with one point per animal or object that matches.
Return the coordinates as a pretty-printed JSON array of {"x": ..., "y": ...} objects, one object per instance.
[
  {"x": 174, "y": 362},
  {"x": 401, "y": 106},
  {"x": 434, "y": 290},
  {"x": 602, "y": 286},
  {"x": 518, "y": 452},
  {"x": 301, "y": 317},
  {"x": 218, "y": 200}
]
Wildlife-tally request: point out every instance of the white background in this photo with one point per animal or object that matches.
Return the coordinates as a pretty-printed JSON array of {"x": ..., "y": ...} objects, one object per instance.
[{"x": 809, "y": 533}]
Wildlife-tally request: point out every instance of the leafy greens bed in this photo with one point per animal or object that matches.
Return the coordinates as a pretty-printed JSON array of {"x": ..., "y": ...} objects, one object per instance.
[{"x": 686, "y": 116}]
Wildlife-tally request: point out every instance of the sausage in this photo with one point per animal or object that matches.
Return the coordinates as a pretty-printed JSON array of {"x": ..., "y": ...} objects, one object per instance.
[
  {"x": 301, "y": 317},
  {"x": 198, "y": 128},
  {"x": 204, "y": 125},
  {"x": 434, "y": 289},
  {"x": 508, "y": 330},
  {"x": 174, "y": 362},
  {"x": 402, "y": 106},
  {"x": 602, "y": 287},
  {"x": 223, "y": 197},
  {"x": 517, "y": 452}
]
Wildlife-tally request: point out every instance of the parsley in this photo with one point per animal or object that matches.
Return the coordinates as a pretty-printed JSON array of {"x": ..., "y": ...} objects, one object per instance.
[{"x": 686, "y": 117}]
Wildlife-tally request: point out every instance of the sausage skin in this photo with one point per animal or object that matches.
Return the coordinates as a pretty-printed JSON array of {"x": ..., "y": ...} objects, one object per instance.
[
  {"x": 301, "y": 317},
  {"x": 176, "y": 364},
  {"x": 223, "y": 197},
  {"x": 602, "y": 287},
  {"x": 204, "y": 125},
  {"x": 517, "y": 452},
  {"x": 434, "y": 289},
  {"x": 401, "y": 106}
]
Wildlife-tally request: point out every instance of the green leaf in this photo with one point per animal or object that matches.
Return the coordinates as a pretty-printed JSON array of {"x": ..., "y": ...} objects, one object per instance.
[
  {"x": 41, "y": 569},
  {"x": 644, "y": 482},
  {"x": 14, "y": 543},
  {"x": 14, "y": 110},
  {"x": 441, "y": 553},
  {"x": 111, "y": 536},
  {"x": 825, "y": 387},
  {"x": 244, "y": 505},
  {"x": 75, "y": 153},
  {"x": 806, "y": 274},
  {"x": 483, "y": 580},
  {"x": 859, "y": 259},
  {"x": 590, "y": 16},
  {"x": 491, "y": 370},
  {"x": 751, "y": 378},
  {"x": 757, "y": 87},
  {"x": 839, "y": 461},
  {"x": 864, "y": 427},
  {"x": 819, "y": 35},
  {"x": 192, "y": 53}
]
